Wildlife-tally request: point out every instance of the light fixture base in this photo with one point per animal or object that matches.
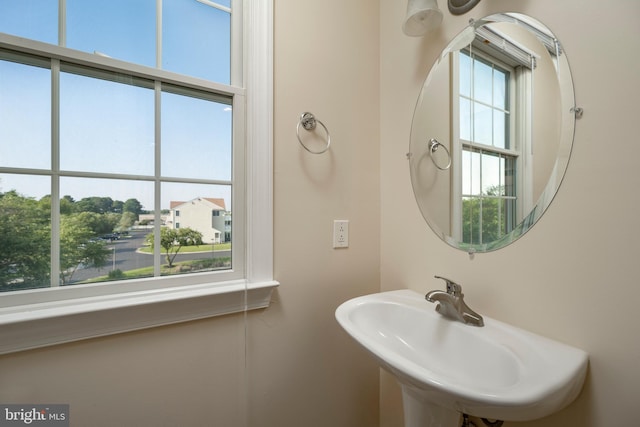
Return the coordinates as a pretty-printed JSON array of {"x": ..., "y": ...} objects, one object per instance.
[{"x": 459, "y": 7}]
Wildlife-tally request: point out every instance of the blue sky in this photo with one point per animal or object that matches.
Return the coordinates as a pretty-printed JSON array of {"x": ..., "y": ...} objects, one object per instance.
[{"x": 106, "y": 126}]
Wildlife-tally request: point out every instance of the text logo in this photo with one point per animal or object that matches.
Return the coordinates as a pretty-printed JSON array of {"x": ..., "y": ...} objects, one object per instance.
[{"x": 34, "y": 415}]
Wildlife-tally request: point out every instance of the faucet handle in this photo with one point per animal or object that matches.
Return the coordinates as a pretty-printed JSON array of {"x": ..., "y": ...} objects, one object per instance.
[{"x": 452, "y": 287}]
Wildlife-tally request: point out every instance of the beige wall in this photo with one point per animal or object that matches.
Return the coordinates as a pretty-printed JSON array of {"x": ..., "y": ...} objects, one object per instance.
[
  {"x": 304, "y": 370},
  {"x": 182, "y": 375},
  {"x": 574, "y": 276}
]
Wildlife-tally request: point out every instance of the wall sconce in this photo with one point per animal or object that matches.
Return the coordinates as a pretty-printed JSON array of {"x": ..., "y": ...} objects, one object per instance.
[{"x": 422, "y": 17}]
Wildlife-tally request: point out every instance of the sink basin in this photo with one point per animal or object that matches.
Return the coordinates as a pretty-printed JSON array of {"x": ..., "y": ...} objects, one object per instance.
[{"x": 446, "y": 367}]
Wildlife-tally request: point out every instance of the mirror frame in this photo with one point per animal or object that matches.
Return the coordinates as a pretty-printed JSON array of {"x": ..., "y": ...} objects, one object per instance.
[{"x": 568, "y": 111}]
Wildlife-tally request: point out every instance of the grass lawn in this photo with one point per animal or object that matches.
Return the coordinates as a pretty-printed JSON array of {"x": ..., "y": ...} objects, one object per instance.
[
  {"x": 196, "y": 248},
  {"x": 178, "y": 268}
]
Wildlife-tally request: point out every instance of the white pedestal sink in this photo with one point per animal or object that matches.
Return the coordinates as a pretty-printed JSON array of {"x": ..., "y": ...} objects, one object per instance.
[{"x": 447, "y": 368}]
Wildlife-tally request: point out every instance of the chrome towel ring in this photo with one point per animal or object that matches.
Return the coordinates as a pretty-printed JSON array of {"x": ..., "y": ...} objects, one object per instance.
[
  {"x": 308, "y": 122},
  {"x": 433, "y": 147}
]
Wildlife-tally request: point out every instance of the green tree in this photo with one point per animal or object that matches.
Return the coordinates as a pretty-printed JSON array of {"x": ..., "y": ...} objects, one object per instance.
[
  {"x": 25, "y": 233},
  {"x": 99, "y": 224},
  {"x": 117, "y": 206},
  {"x": 67, "y": 205},
  {"x": 108, "y": 223},
  {"x": 483, "y": 218},
  {"x": 132, "y": 205},
  {"x": 127, "y": 219},
  {"x": 45, "y": 203},
  {"x": 172, "y": 240},
  {"x": 78, "y": 246},
  {"x": 95, "y": 204}
]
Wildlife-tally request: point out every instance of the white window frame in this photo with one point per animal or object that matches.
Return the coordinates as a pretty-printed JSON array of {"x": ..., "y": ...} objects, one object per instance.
[{"x": 50, "y": 316}]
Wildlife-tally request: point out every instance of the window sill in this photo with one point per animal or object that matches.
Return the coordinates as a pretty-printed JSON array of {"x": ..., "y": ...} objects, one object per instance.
[{"x": 57, "y": 322}]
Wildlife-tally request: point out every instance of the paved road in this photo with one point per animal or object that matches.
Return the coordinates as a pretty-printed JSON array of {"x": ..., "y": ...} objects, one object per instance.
[{"x": 125, "y": 257}]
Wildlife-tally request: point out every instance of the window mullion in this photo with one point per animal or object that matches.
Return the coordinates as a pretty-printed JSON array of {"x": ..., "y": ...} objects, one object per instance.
[
  {"x": 62, "y": 23},
  {"x": 237, "y": 41},
  {"x": 157, "y": 184},
  {"x": 55, "y": 175},
  {"x": 159, "y": 34}
]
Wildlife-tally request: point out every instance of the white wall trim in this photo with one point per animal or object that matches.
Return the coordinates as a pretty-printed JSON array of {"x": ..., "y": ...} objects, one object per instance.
[
  {"x": 259, "y": 85},
  {"x": 56, "y": 322}
]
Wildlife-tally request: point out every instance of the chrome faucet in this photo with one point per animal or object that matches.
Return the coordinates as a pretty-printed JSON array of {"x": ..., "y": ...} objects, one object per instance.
[{"x": 451, "y": 304}]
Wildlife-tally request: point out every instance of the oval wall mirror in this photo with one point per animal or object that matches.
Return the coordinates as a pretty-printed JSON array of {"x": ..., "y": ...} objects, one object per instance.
[{"x": 492, "y": 132}]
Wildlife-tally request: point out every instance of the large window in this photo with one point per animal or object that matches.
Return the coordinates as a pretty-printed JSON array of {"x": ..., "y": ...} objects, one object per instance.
[
  {"x": 113, "y": 150},
  {"x": 489, "y": 157},
  {"x": 115, "y": 118}
]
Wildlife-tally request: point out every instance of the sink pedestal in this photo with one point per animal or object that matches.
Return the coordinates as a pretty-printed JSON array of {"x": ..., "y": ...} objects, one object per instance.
[{"x": 419, "y": 412}]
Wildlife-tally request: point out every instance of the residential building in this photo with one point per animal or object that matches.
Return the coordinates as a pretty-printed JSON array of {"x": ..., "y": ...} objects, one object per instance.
[{"x": 206, "y": 215}]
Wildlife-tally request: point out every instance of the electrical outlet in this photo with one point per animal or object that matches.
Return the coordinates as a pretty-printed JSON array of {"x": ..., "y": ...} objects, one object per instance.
[{"x": 341, "y": 233}]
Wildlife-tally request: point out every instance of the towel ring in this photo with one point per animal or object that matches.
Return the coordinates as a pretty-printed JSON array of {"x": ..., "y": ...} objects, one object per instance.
[
  {"x": 433, "y": 147},
  {"x": 308, "y": 122}
]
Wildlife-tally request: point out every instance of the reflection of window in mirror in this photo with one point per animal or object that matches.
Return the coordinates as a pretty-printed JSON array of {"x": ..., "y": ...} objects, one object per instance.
[{"x": 490, "y": 99}]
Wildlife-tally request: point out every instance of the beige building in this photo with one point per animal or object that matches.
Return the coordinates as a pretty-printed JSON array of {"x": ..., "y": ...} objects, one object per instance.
[{"x": 206, "y": 215}]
